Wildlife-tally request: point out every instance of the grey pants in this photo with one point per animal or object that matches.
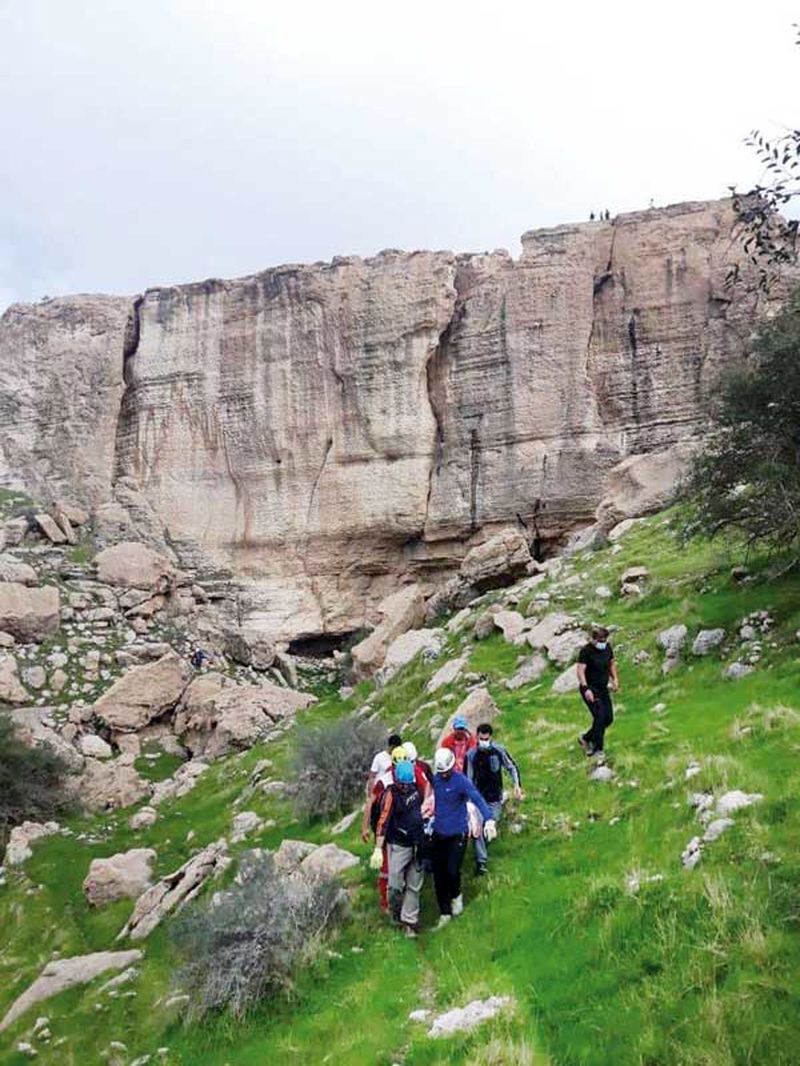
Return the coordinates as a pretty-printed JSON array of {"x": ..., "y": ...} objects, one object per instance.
[
  {"x": 481, "y": 852},
  {"x": 405, "y": 884}
]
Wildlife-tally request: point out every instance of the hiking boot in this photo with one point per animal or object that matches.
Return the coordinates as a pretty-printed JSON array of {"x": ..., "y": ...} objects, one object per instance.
[
  {"x": 411, "y": 931},
  {"x": 480, "y": 869},
  {"x": 458, "y": 906},
  {"x": 444, "y": 920},
  {"x": 584, "y": 743}
]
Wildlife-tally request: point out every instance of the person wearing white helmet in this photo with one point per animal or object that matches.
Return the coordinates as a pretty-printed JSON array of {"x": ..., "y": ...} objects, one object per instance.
[{"x": 452, "y": 790}]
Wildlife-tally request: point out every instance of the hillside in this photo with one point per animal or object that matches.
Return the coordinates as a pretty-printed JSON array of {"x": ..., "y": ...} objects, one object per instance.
[{"x": 612, "y": 950}]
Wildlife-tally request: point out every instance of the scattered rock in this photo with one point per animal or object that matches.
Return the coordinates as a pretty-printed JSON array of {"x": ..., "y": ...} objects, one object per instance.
[
  {"x": 108, "y": 784},
  {"x": 50, "y": 528},
  {"x": 125, "y": 875},
  {"x": 29, "y": 614},
  {"x": 250, "y": 648},
  {"x": 291, "y": 854},
  {"x": 621, "y": 528},
  {"x": 499, "y": 560},
  {"x": 510, "y": 624},
  {"x": 66, "y": 973},
  {"x": 604, "y": 592},
  {"x": 11, "y": 688},
  {"x": 738, "y": 670},
  {"x": 447, "y": 674},
  {"x": 692, "y": 853},
  {"x": 552, "y": 625},
  {"x": 567, "y": 681},
  {"x": 142, "y": 694},
  {"x": 326, "y": 862},
  {"x": 673, "y": 639},
  {"x": 463, "y": 1019},
  {"x": 94, "y": 746},
  {"x": 143, "y": 819},
  {"x": 133, "y": 565},
  {"x": 706, "y": 640},
  {"x": 401, "y": 651},
  {"x": 716, "y": 828},
  {"x": 180, "y": 784},
  {"x": 14, "y": 570},
  {"x": 602, "y": 773},
  {"x": 735, "y": 801},
  {"x": 172, "y": 891},
  {"x": 36, "y": 725},
  {"x": 22, "y": 836},
  {"x": 244, "y": 823},
  {"x": 531, "y": 670},
  {"x": 562, "y": 649}
]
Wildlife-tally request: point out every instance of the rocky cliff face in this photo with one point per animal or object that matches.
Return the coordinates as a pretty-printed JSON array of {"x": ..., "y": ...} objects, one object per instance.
[{"x": 326, "y": 429}]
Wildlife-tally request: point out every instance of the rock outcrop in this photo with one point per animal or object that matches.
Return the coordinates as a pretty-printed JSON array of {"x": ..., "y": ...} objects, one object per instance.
[{"x": 324, "y": 431}]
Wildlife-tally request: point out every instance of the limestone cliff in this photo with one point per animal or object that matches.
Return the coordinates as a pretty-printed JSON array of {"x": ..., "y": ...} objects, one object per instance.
[{"x": 324, "y": 429}]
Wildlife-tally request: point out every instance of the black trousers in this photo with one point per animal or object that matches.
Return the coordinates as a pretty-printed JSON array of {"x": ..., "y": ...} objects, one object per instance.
[
  {"x": 447, "y": 856},
  {"x": 602, "y": 712}
]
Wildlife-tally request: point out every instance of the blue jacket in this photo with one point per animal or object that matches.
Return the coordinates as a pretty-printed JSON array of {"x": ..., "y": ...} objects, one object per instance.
[{"x": 451, "y": 795}]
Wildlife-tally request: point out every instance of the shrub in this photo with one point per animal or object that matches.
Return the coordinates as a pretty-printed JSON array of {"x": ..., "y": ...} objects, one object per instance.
[
  {"x": 330, "y": 763},
  {"x": 246, "y": 942},
  {"x": 31, "y": 780}
]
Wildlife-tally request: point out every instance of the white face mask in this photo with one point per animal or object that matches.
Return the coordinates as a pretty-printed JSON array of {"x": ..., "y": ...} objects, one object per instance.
[
  {"x": 484, "y": 743},
  {"x": 601, "y": 645}
]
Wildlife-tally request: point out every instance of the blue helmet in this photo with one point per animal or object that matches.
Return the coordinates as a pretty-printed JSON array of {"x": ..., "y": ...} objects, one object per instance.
[
  {"x": 460, "y": 722},
  {"x": 404, "y": 773}
]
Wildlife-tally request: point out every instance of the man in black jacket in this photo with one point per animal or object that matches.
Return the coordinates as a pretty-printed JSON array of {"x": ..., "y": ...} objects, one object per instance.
[
  {"x": 484, "y": 767},
  {"x": 401, "y": 828},
  {"x": 596, "y": 668}
]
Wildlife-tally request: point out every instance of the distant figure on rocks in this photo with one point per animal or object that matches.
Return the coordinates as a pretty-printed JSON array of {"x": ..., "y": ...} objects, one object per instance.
[
  {"x": 591, "y": 216},
  {"x": 485, "y": 765},
  {"x": 199, "y": 656},
  {"x": 459, "y": 741},
  {"x": 596, "y": 668},
  {"x": 401, "y": 830},
  {"x": 452, "y": 790}
]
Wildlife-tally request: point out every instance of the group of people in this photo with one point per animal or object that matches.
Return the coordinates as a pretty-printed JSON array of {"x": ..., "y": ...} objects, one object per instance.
[{"x": 423, "y": 817}]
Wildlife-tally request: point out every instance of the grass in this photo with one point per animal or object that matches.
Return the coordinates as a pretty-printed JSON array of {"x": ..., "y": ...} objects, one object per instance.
[{"x": 696, "y": 967}]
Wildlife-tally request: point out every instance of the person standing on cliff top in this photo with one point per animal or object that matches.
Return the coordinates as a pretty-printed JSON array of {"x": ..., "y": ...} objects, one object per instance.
[{"x": 596, "y": 668}]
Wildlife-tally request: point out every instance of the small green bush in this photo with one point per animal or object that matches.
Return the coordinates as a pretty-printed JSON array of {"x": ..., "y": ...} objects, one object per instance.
[
  {"x": 31, "y": 781},
  {"x": 247, "y": 942},
  {"x": 331, "y": 762}
]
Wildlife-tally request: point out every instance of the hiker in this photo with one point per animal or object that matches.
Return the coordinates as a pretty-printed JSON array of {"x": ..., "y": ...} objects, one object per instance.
[
  {"x": 199, "y": 656},
  {"x": 380, "y": 764},
  {"x": 459, "y": 741},
  {"x": 425, "y": 767},
  {"x": 596, "y": 666},
  {"x": 452, "y": 790},
  {"x": 485, "y": 765},
  {"x": 376, "y": 783},
  {"x": 401, "y": 830}
]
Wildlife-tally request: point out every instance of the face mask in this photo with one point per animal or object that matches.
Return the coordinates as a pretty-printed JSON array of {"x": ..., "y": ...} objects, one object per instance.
[
  {"x": 601, "y": 645},
  {"x": 484, "y": 743}
]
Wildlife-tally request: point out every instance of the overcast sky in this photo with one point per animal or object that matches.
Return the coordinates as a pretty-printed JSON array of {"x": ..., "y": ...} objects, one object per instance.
[{"x": 160, "y": 141}]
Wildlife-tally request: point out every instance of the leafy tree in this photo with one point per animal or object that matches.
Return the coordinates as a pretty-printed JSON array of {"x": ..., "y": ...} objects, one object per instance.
[
  {"x": 31, "y": 780},
  {"x": 748, "y": 475},
  {"x": 769, "y": 239}
]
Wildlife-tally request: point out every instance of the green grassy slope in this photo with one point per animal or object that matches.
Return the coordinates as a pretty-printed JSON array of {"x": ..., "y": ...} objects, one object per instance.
[{"x": 697, "y": 967}]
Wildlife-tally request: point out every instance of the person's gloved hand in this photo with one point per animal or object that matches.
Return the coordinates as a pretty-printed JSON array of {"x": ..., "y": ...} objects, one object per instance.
[
  {"x": 490, "y": 829},
  {"x": 376, "y": 859}
]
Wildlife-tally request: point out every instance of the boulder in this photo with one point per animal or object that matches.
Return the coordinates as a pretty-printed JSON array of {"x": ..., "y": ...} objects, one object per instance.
[
  {"x": 250, "y": 648},
  {"x": 530, "y": 671},
  {"x": 620, "y": 529},
  {"x": 587, "y": 539},
  {"x": 736, "y": 671},
  {"x": 463, "y": 1019},
  {"x": 95, "y": 747},
  {"x": 425, "y": 642},
  {"x": 11, "y": 689},
  {"x": 134, "y": 565},
  {"x": 706, "y": 640},
  {"x": 510, "y": 624},
  {"x": 14, "y": 570},
  {"x": 29, "y": 614},
  {"x": 291, "y": 854},
  {"x": 36, "y": 725},
  {"x": 447, "y": 674},
  {"x": 244, "y": 823},
  {"x": 143, "y": 819},
  {"x": 108, "y": 784},
  {"x": 564, "y": 647},
  {"x": 499, "y": 561},
  {"x": 174, "y": 890},
  {"x": 326, "y": 862},
  {"x": 61, "y": 974},
  {"x": 18, "y": 849},
  {"x": 125, "y": 875},
  {"x": 567, "y": 681},
  {"x": 476, "y": 708},
  {"x": 76, "y": 516},
  {"x": 403, "y": 610},
  {"x": 180, "y": 784},
  {"x": 673, "y": 639},
  {"x": 634, "y": 575},
  {"x": 237, "y": 716},
  {"x": 552, "y": 625},
  {"x": 736, "y": 800},
  {"x": 716, "y": 828},
  {"x": 50, "y": 528},
  {"x": 642, "y": 484},
  {"x": 142, "y": 694}
]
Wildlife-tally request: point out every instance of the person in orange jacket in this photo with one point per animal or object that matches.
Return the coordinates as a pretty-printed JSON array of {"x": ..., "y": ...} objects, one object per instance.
[{"x": 459, "y": 741}]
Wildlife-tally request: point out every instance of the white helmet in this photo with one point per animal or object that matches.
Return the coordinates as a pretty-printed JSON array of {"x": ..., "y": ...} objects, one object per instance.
[
  {"x": 443, "y": 760},
  {"x": 411, "y": 750}
]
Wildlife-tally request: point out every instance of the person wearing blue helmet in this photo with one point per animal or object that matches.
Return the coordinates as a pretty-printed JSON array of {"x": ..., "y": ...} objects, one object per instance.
[{"x": 401, "y": 828}]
